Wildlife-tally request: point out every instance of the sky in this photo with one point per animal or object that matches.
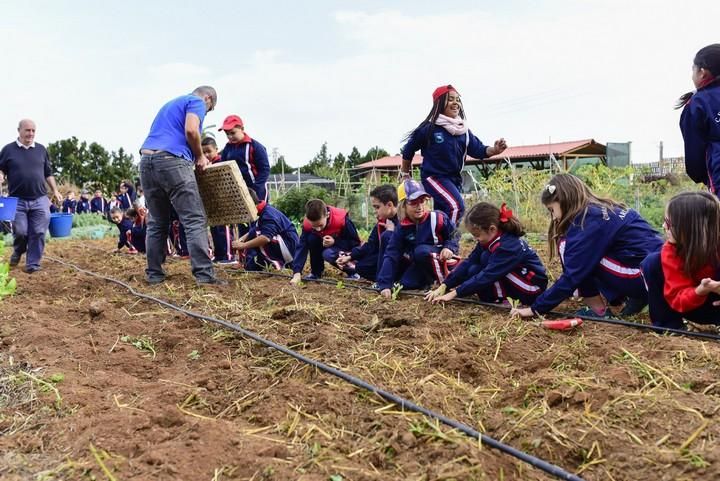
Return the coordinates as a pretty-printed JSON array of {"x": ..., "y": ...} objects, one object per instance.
[{"x": 355, "y": 73}]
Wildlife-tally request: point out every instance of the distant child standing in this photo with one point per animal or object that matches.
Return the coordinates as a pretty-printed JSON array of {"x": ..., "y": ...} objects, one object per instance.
[
  {"x": 601, "y": 244},
  {"x": 327, "y": 232},
  {"x": 221, "y": 234},
  {"x": 124, "y": 225},
  {"x": 83, "y": 203},
  {"x": 249, "y": 154},
  {"x": 681, "y": 279},
  {"x": 700, "y": 119},
  {"x": 367, "y": 258},
  {"x": 126, "y": 197},
  {"x": 501, "y": 266},
  {"x": 69, "y": 204},
  {"x": 421, "y": 247},
  {"x": 444, "y": 141},
  {"x": 98, "y": 204},
  {"x": 271, "y": 240}
]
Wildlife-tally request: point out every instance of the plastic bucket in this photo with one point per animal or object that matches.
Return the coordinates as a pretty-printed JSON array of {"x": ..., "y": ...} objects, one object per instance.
[
  {"x": 8, "y": 206},
  {"x": 60, "y": 225}
]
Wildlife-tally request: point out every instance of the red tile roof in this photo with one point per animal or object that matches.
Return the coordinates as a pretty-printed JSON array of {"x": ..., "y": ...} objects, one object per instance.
[{"x": 517, "y": 152}]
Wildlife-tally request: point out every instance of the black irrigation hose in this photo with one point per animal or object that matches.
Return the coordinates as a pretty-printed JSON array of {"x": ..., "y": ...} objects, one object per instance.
[
  {"x": 615, "y": 322},
  {"x": 405, "y": 404}
]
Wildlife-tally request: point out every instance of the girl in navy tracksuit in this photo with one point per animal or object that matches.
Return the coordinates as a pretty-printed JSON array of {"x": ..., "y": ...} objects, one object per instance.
[
  {"x": 98, "y": 204},
  {"x": 680, "y": 278},
  {"x": 700, "y": 120},
  {"x": 249, "y": 154},
  {"x": 271, "y": 240},
  {"x": 422, "y": 246},
  {"x": 600, "y": 243},
  {"x": 69, "y": 204},
  {"x": 501, "y": 266},
  {"x": 367, "y": 258},
  {"x": 444, "y": 141},
  {"x": 327, "y": 232},
  {"x": 138, "y": 231},
  {"x": 124, "y": 226}
]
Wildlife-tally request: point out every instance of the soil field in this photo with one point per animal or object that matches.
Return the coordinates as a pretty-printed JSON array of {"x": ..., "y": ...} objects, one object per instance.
[{"x": 97, "y": 384}]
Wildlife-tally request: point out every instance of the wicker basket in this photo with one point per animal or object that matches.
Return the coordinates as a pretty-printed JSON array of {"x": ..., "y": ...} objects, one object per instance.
[{"x": 225, "y": 195}]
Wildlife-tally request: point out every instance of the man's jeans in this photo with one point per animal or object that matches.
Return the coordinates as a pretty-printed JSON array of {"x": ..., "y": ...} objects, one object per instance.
[
  {"x": 32, "y": 219},
  {"x": 170, "y": 181}
]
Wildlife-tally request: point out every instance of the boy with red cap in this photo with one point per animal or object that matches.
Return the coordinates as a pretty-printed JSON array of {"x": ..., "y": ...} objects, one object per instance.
[
  {"x": 327, "y": 232},
  {"x": 250, "y": 155},
  {"x": 444, "y": 141}
]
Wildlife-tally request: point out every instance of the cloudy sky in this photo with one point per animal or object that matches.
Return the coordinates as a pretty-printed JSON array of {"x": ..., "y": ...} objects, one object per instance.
[{"x": 355, "y": 73}]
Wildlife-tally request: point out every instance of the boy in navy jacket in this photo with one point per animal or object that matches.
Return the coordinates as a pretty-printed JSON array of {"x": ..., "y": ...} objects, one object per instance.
[
  {"x": 367, "y": 258},
  {"x": 421, "y": 246},
  {"x": 271, "y": 240},
  {"x": 83, "y": 204},
  {"x": 327, "y": 231},
  {"x": 249, "y": 154},
  {"x": 69, "y": 204},
  {"x": 98, "y": 204}
]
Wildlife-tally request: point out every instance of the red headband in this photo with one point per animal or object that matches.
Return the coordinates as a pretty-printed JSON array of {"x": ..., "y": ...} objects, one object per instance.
[
  {"x": 442, "y": 90},
  {"x": 505, "y": 213}
]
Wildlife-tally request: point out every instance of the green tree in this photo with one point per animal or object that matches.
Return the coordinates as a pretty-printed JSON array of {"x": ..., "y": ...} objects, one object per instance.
[
  {"x": 355, "y": 158},
  {"x": 374, "y": 154},
  {"x": 321, "y": 160},
  {"x": 339, "y": 162},
  {"x": 279, "y": 165}
]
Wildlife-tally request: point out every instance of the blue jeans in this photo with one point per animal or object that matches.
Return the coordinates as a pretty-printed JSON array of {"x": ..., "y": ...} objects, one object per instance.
[
  {"x": 169, "y": 182},
  {"x": 32, "y": 219}
]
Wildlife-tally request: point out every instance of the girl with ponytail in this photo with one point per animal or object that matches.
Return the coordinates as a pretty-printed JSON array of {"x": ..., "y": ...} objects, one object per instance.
[{"x": 700, "y": 119}]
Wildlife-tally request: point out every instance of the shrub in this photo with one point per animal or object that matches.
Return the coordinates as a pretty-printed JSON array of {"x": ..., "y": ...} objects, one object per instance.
[{"x": 292, "y": 203}]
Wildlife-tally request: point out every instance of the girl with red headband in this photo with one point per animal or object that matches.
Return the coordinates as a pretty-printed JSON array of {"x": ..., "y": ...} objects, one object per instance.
[
  {"x": 700, "y": 120},
  {"x": 601, "y": 244},
  {"x": 501, "y": 266},
  {"x": 444, "y": 141}
]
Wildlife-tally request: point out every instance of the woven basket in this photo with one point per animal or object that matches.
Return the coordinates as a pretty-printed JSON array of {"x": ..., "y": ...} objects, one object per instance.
[{"x": 225, "y": 195}]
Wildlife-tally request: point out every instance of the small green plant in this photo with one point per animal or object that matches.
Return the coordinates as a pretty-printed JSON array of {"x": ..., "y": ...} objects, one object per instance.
[
  {"x": 396, "y": 291},
  {"x": 194, "y": 355},
  {"x": 7, "y": 284},
  {"x": 340, "y": 285},
  {"x": 336, "y": 477},
  {"x": 143, "y": 343}
]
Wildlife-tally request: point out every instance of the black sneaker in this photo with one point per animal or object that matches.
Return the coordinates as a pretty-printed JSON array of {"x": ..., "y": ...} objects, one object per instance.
[
  {"x": 633, "y": 306},
  {"x": 31, "y": 269},
  {"x": 215, "y": 281},
  {"x": 588, "y": 312},
  {"x": 154, "y": 280},
  {"x": 14, "y": 261}
]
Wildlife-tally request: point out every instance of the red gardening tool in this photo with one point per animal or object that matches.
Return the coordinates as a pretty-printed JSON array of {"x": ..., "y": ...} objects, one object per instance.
[{"x": 562, "y": 324}]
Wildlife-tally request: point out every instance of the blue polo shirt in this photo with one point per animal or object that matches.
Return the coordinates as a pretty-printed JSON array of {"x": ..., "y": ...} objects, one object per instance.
[{"x": 168, "y": 129}]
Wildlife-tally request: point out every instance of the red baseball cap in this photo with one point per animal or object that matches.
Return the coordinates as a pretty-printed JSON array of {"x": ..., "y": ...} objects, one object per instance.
[
  {"x": 443, "y": 89},
  {"x": 232, "y": 121}
]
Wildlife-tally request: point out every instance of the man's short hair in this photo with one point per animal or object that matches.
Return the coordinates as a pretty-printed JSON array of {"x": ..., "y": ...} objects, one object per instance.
[
  {"x": 385, "y": 193},
  {"x": 315, "y": 209}
]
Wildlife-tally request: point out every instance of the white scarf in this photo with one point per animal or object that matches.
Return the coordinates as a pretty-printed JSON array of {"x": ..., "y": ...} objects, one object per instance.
[{"x": 456, "y": 126}]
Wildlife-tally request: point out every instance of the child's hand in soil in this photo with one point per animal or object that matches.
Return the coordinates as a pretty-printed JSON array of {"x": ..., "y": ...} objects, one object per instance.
[
  {"x": 446, "y": 298},
  {"x": 522, "y": 312},
  {"x": 432, "y": 294},
  {"x": 386, "y": 293},
  {"x": 296, "y": 278}
]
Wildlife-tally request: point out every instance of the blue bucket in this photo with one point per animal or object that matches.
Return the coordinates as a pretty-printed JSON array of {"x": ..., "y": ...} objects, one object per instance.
[
  {"x": 8, "y": 206},
  {"x": 60, "y": 225}
]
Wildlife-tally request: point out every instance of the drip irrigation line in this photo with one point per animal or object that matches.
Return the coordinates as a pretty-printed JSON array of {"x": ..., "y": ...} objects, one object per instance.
[
  {"x": 405, "y": 404},
  {"x": 602, "y": 320}
]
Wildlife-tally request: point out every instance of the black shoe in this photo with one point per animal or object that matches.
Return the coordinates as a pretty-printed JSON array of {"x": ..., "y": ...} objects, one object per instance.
[
  {"x": 14, "y": 261},
  {"x": 633, "y": 306},
  {"x": 31, "y": 269},
  {"x": 213, "y": 282},
  {"x": 155, "y": 280}
]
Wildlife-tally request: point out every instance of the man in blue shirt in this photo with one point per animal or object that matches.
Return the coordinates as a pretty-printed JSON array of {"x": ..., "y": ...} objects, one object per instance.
[
  {"x": 27, "y": 167},
  {"x": 168, "y": 181}
]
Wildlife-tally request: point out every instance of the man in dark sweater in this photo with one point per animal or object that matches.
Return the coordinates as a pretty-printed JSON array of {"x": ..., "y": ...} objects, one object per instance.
[{"x": 27, "y": 167}]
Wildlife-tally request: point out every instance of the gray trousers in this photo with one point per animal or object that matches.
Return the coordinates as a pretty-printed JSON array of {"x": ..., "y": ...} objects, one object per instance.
[
  {"x": 169, "y": 181},
  {"x": 31, "y": 223}
]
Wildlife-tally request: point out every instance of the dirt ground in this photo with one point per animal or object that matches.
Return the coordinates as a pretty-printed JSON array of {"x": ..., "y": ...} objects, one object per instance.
[{"x": 97, "y": 384}]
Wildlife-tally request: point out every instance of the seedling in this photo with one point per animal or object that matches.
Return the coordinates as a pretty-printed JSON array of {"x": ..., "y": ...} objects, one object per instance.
[
  {"x": 396, "y": 291},
  {"x": 143, "y": 343},
  {"x": 340, "y": 285},
  {"x": 194, "y": 355}
]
